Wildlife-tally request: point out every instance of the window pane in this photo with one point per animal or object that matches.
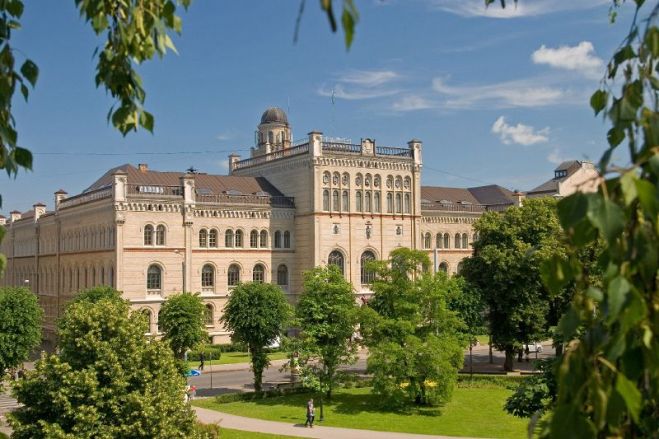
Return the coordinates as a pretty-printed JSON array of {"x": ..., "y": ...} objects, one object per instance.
[
  {"x": 367, "y": 276},
  {"x": 148, "y": 235},
  {"x": 160, "y": 235},
  {"x": 326, "y": 200},
  {"x": 228, "y": 238},
  {"x": 258, "y": 274},
  {"x": 212, "y": 238},
  {"x": 336, "y": 258},
  {"x": 287, "y": 239},
  {"x": 277, "y": 239},
  {"x": 153, "y": 278},
  {"x": 376, "y": 202},
  {"x": 264, "y": 238},
  {"x": 239, "y": 238},
  {"x": 203, "y": 238},
  {"x": 207, "y": 277},
  {"x": 254, "y": 239},
  {"x": 282, "y": 275},
  {"x": 233, "y": 275},
  {"x": 346, "y": 201}
]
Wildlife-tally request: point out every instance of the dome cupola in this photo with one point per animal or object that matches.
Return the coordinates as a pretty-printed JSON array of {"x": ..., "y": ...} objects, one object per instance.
[{"x": 274, "y": 115}]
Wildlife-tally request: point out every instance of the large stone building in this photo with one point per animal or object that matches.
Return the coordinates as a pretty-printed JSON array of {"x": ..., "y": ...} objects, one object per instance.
[{"x": 291, "y": 206}]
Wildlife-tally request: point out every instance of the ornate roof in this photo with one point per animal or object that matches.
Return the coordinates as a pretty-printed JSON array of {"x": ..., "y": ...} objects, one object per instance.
[{"x": 274, "y": 115}]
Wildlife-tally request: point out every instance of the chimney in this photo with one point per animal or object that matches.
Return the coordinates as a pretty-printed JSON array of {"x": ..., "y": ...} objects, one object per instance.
[
  {"x": 3, "y": 220},
  {"x": 519, "y": 198},
  {"x": 143, "y": 167},
  {"x": 39, "y": 209},
  {"x": 233, "y": 159},
  {"x": 60, "y": 196},
  {"x": 14, "y": 215}
]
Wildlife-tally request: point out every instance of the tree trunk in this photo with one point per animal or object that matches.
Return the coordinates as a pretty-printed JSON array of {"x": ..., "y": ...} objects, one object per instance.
[
  {"x": 510, "y": 355},
  {"x": 471, "y": 361},
  {"x": 491, "y": 357},
  {"x": 559, "y": 349},
  {"x": 322, "y": 413},
  {"x": 257, "y": 367},
  {"x": 520, "y": 355}
]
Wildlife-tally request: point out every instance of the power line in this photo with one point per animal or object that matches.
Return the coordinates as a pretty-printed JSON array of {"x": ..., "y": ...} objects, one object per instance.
[
  {"x": 456, "y": 175},
  {"x": 87, "y": 153}
]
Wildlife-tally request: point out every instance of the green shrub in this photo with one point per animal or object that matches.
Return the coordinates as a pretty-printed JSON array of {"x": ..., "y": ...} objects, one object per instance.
[
  {"x": 206, "y": 431},
  {"x": 253, "y": 396}
]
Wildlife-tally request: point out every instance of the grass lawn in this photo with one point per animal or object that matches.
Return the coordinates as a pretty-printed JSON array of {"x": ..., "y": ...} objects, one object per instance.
[
  {"x": 483, "y": 339},
  {"x": 236, "y": 357},
  {"x": 475, "y": 411},
  {"x": 226, "y": 433}
]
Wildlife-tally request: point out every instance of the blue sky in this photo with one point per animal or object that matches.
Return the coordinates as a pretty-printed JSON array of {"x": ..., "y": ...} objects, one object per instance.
[{"x": 496, "y": 96}]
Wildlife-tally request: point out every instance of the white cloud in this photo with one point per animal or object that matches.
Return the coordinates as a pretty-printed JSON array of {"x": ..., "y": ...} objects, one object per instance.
[
  {"x": 368, "y": 78},
  {"x": 351, "y": 94},
  {"x": 412, "y": 103},
  {"x": 555, "y": 157},
  {"x": 580, "y": 58},
  {"x": 224, "y": 136},
  {"x": 520, "y": 134},
  {"x": 524, "y": 8},
  {"x": 361, "y": 84},
  {"x": 534, "y": 92}
]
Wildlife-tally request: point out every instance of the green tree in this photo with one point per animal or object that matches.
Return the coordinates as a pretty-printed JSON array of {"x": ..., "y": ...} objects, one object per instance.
[
  {"x": 469, "y": 305},
  {"x": 326, "y": 316},
  {"x": 413, "y": 338},
  {"x": 505, "y": 267},
  {"x": 108, "y": 381},
  {"x": 20, "y": 325},
  {"x": 256, "y": 314},
  {"x": 181, "y": 318},
  {"x": 97, "y": 294}
]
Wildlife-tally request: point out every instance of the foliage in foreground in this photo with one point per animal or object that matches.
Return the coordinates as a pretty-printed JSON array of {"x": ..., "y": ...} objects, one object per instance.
[
  {"x": 108, "y": 381},
  {"x": 256, "y": 314},
  {"x": 413, "y": 338},
  {"x": 20, "y": 326},
  {"x": 536, "y": 393}
]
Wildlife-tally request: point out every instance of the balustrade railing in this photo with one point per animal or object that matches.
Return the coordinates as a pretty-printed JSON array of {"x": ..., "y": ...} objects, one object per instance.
[
  {"x": 86, "y": 197},
  {"x": 277, "y": 201},
  {"x": 393, "y": 151},
  {"x": 349, "y": 148},
  {"x": 146, "y": 190},
  {"x": 457, "y": 207},
  {"x": 296, "y": 150}
]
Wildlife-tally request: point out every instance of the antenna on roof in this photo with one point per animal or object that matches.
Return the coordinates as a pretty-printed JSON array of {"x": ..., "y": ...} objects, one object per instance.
[{"x": 192, "y": 170}]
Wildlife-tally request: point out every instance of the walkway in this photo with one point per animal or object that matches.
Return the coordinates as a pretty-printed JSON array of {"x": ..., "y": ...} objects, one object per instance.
[{"x": 258, "y": 425}]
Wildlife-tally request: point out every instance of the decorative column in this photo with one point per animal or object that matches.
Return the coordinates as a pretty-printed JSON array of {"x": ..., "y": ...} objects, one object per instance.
[{"x": 188, "y": 184}]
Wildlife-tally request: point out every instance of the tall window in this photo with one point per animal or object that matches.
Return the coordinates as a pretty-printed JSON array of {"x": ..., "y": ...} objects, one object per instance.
[
  {"x": 233, "y": 275},
  {"x": 465, "y": 241},
  {"x": 254, "y": 239},
  {"x": 447, "y": 240},
  {"x": 160, "y": 235},
  {"x": 203, "y": 238},
  {"x": 443, "y": 267},
  {"x": 457, "y": 240},
  {"x": 390, "y": 202},
  {"x": 208, "y": 278},
  {"x": 326, "y": 200},
  {"x": 282, "y": 275},
  {"x": 287, "y": 239},
  {"x": 358, "y": 201},
  {"x": 408, "y": 203},
  {"x": 208, "y": 315},
  {"x": 367, "y": 275},
  {"x": 238, "y": 239},
  {"x": 154, "y": 278},
  {"x": 376, "y": 202},
  {"x": 228, "y": 238},
  {"x": 459, "y": 267},
  {"x": 277, "y": 239},
  {"x": 335, "y": 201},
  {"x": 336, "y": 258},
  {"x": 438, "y": 241},
  {"x": 427, "y": 240},
  {"x": 212, "y": 238},
  {"x": 346, "y": 201},
  {"x": 258, "y": 274},
  {"x": 399, "y": 203},
  {"x": 368, "y": 202},
  {"x": 148, "y": 234},
  {"x": 264, "y": 239}
]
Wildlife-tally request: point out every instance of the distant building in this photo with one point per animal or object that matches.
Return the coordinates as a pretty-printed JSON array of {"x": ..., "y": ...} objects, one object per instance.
[
  {"x": 569, "y": 177},
  {"x": 289, "y": 207}
]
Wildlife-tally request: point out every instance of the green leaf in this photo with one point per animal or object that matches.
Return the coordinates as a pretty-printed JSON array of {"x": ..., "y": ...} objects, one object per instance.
[
  {"x": 607, "y": 216},
  {"x": 628, "y": 186},
  {"x": 15, "y": 8},
  {"x": 617, "y": 293},
  {"x": 630, "y": 394},
  {"x": 568, "y": 422},
  {"x": 615, "y": 136},
  {"x": 572, "y": 209},
  {"x": 569, "y": 323},
  {"x": 146, "y": 120},
  {"x": 648, "y": 196},
  {"x": 30, "y": 71},
  {"x": 595, "y": 293},
  {"x": 24, "y": 91},
  {"x": 598, "y": 101},
  {"x": 556, "y": 272},
  {"x": 23, "y": 157}
]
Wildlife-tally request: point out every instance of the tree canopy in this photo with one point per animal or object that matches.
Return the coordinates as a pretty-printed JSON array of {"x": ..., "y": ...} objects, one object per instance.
[
  {"x": 20, "y": 326},
  {"x": 181, "y": 319}
]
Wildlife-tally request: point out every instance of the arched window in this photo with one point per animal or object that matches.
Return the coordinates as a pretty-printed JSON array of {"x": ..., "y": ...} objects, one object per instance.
[
  {"x": 447, "y": 241},
  {"x": 335, "y": 201},
  {"x": 346, "y": 201},
  {"x": 408, "y": 203},
  {"x": 367, "y": 201},
  {"x": 465, "y": 241},
  {"x": 367, "y": 275},
  {"x": 326, "y": 200},
  {"x": 212, "y": 238},
  {"x": 264, "y": 239},
  {"x": 160, "y": 235},
  {"x": 233, "y": 275},
  {"x": 390, "y": 202},
  {"x": 336, "y": 258},
  {"x": 399, "y": 203},
  {"x": 238, "y": 239},
  {"x": 459, "y": 267},
  {"x": 457, "y": 240},
  {"x": 203, "y": 238},
  {"x": 208, "y": 315},
  {"x": 271, "y": 137},
  {"x": 277, "y": 239},
  {"x": 148, "y": 234},
  {"x": 376, "y": 202},
  {"x": 254, "y": 239},
  {"x": 154, "y": 278},
  {"x": 438, "y": 240},
  {"x": 258, "y": 274},
  {"x": 443, "y": 267},
  {"x": 228, "y": 238},
  {"x": 287, "y": 239},
  {"x": 282, "y": 275},
  {"x": 427, "y": 240},
  {"x": 358, "y": 201},
  {"x": 208, "y": 278}
]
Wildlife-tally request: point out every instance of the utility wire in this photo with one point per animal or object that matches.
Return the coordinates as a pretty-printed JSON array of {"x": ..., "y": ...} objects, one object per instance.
[
  {"x": 456, "y": 175},
  {"x": 69, "y": 153}
]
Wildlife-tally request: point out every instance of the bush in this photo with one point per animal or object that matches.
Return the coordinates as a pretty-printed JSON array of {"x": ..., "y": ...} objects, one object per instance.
[
  {"x": 206, "y": 431},
  {"x": 254, "y": 396},
  {"x": 506, "y": 381}
]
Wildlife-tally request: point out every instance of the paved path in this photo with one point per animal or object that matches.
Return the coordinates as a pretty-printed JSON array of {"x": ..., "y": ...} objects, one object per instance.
[
  {"x": 7, "y": 403},
  {"x": 258, "y": 425}
]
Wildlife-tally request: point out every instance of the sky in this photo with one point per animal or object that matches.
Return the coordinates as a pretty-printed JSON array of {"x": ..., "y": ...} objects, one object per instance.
[{"x": 497, "y": 96}]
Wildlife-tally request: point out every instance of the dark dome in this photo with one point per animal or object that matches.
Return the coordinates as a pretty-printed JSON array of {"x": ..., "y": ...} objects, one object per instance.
[{"x": 274, "y": 115}]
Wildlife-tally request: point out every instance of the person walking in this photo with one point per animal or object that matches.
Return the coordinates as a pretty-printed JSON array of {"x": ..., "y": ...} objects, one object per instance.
[
  {"x": 201, "y": 361},
  {"x": 311, "y": 414}
]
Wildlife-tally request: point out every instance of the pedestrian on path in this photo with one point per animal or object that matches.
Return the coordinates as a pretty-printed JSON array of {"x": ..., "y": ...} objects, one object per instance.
[
  {"x": 201, "y": 361},
  {"x": 311, "y": 414}
]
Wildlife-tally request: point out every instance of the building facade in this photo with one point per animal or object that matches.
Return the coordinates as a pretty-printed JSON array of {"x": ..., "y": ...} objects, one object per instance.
[{"x": 289, "y": 207}]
